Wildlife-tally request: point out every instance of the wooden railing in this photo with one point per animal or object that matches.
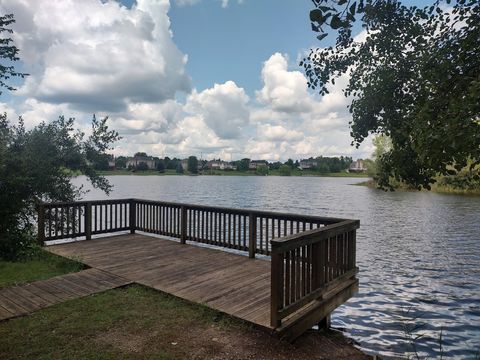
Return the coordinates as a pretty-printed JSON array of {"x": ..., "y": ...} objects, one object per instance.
[
  {"x": 246, "y": 230},
  {"x": 310, "y": 254},
  {"x": 82, "y": 218},
  {"x": 307, "y": 265}
]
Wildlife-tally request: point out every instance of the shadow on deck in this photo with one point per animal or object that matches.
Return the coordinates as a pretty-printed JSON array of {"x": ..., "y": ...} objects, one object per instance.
[{"x": 310, "y": 272}]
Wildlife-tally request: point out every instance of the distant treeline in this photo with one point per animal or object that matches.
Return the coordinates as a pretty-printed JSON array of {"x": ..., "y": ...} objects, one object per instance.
[{"x": 320, "y": 164}]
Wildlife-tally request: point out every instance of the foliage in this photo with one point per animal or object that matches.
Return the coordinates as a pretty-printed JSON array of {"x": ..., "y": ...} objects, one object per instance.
[
  {"x": 192, "y": 165},
  {"x": 33, "y": 166},
  {"x": 467, "y": 178},
  {"x": 290, "y": 163},
  {"x": 8, "y": 53},
  {"x": 179, "y": 168},
  {"x": 262, "y": 170},
  {"x": 285, "y": 170},
  {"x": 325, "y": 164},
  {"x": 415, "y": 78},
  {"x": 243, "y": 165},
  {"x": 141, "y": 154},
  {"x": 141, "y": 166},
  {"x": 121, "y": 162},
  {"x": 161, "y": 165},
  {"x": 275, "y": 165}
]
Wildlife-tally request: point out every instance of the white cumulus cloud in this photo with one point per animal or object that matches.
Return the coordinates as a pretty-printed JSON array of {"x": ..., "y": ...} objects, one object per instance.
[{"x": 97, "y": 56}]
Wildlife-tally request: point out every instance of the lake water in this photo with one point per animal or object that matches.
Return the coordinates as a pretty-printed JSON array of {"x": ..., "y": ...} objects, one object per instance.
[{"x": 418, "y": 253}]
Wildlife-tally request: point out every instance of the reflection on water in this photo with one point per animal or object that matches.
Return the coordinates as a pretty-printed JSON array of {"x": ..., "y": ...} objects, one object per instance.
[{"x": 418, "y": 253}]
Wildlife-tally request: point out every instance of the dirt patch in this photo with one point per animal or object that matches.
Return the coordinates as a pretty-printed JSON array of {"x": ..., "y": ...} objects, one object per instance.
[
  {"x": 126, "y": 340},
  {"x": 218, "y": 343}
]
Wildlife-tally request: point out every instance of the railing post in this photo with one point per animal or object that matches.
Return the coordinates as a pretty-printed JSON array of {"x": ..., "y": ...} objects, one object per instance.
[
  {"x": 183, "y": 230},
  {"x": 252, "y": 238},
  {"x": 41, "y": 224},
  {"x": 88, "y": 220},
  {"x": 133, "y": 216},
  {"x": 276, "y": 287}
]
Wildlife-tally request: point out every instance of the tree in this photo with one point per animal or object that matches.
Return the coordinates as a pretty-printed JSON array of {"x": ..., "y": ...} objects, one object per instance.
[
  {"x": 8, "y": 53},
  {"x": 415, "y": 78},
  {"x": 179, "y": 168},
  {"x": 121, "y": 162},
  {"x": 36, "y": 165},
  {"x": 141, "y": 166},
  {"x": 161, "y": 166},
  {"x": 243, "y": 165},
  {"x": 101, "y": 162},
  {"x": 142, "y": 154},
  {"x": 290, "y": 163},
  {"x": 192, "y": 165},
  {"x": 285, "y": 170},
  {"x": 262, "y": 170}
]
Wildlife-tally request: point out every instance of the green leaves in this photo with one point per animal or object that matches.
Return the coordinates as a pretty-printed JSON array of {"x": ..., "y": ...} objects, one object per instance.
[
  {"x": 416, "y": 78},
  {"x": 33, "y": 168},
  {"x": 8, "y": 52},
  {"x": 316, "y": 15},
  {"x": 335, "y": 23}
]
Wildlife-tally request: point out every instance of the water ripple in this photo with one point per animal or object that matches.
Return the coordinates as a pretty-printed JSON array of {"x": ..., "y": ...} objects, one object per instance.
[{"x": 418, "y": 253}]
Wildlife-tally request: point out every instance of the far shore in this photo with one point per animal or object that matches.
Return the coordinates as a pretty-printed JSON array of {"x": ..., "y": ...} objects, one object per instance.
[
  {"x": 435, "y": 188},
  {"x": 170, "y": 172}
]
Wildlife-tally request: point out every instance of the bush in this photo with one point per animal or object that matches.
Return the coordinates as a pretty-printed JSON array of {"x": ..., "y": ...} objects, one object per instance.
[
  {"x": 141, "y": 167},
  {"x": 285, "y": 170},
  {"x": 36, "y": 166}
]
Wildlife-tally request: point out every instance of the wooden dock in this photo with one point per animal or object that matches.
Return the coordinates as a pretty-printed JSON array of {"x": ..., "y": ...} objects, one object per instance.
[
  {"x": 306, "y": 268},
  {"x": 25, "y": 299}
]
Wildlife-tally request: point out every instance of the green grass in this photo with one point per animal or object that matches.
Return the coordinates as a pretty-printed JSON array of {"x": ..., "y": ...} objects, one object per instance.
[
  {"x": 110, "y": 325},
  {"x": 43, "y": 265},
  {"x": 140, "y": 323}
]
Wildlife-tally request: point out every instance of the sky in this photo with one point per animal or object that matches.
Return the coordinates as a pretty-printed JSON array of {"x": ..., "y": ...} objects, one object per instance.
[{"x": 211, "y": 78}]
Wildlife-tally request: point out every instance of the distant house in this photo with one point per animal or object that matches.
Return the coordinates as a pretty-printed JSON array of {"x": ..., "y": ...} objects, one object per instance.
[
  {"x": 133, "y": 162},
  {"x": 308, "y": 164},
  {"x": 254, "y": 164},
  {"x": 111, "y": 162},
  {"x": 220, "y": 165},
  {"x": 357, "y": 166}
]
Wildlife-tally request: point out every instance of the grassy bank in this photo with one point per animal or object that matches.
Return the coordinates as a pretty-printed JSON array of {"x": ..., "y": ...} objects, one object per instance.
[
  {"x": 140, "y": 323},
  {"x": 435, "y": 188},
  {"x": 42, "y": 265},
  {"x": 295, "y": 172}
]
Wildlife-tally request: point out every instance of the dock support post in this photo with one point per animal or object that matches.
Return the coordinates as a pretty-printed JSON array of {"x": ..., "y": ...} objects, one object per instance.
[
  {"x": 41, "y": 225},
  {"x": 183, "y": 232},
  {"x": 133, "y": 216},
  {"x": 88, "y": 220},
  {"x": 325, "y": 323},
  {"x": 252, "y": 238}
]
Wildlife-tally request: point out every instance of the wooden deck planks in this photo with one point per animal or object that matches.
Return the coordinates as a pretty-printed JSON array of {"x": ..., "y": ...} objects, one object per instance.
[
  {"x": 24, "y": 299},
  {"x": 228, "y": 282}
]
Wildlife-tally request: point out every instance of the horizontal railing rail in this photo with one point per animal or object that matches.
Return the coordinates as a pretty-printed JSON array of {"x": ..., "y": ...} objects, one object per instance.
[
  {"x": 240, "y": 229},
  {"x": 308, "y": 264}
]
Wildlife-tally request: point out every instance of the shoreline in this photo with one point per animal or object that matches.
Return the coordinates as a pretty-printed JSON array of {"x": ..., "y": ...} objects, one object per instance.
[
  {"x": 435, "y": 189},
  {"x": 231, "y": 173}
]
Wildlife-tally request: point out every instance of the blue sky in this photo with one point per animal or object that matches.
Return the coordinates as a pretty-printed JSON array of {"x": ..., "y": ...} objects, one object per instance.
[
  {"x": 179, "y": 78},
  {"x": 233, "y": 42}
]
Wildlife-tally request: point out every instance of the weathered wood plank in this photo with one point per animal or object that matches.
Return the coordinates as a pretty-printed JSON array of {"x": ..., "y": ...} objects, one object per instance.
[{"x": 228, "y": 282}]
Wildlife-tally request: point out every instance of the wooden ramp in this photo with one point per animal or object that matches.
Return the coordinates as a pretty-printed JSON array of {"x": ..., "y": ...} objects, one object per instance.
[
  {"x": 24, "y": 299},
  {"x": 230, "y": 283}
]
